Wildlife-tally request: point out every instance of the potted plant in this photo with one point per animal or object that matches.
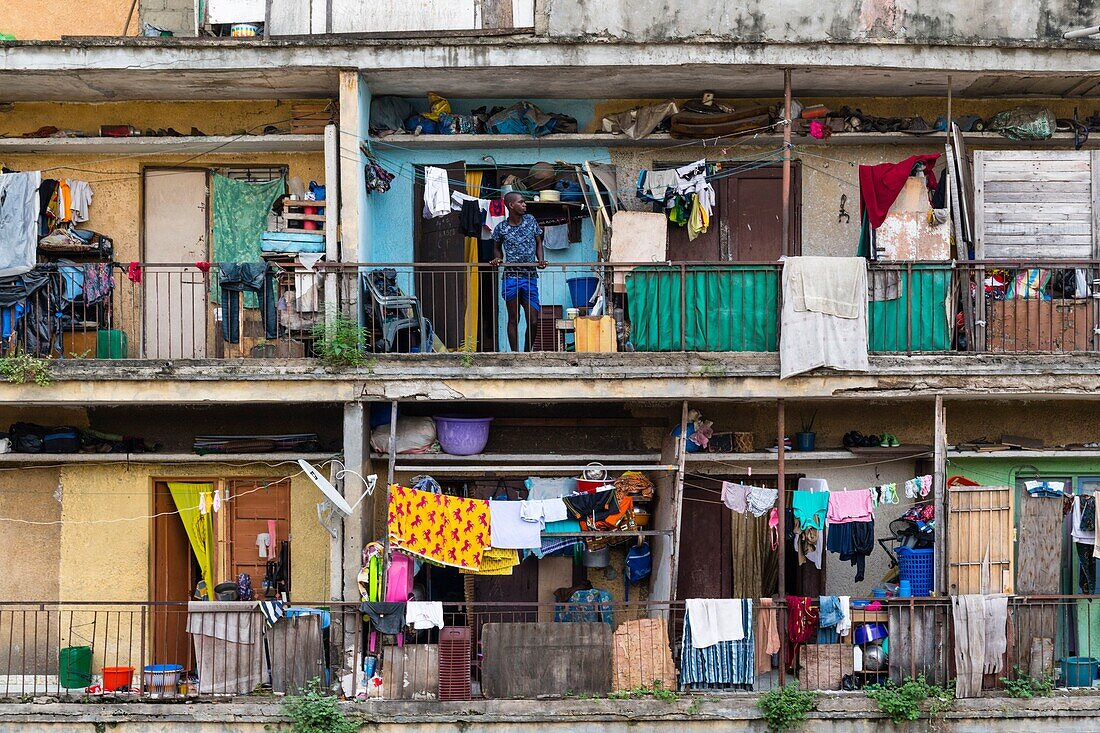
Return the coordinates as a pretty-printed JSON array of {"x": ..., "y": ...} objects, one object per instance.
[{"x": 804, "y": 440}]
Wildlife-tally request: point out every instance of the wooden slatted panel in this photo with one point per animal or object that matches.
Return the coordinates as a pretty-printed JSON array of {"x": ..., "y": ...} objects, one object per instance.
[
  {"x": 1035, "y": 204},
  {"x": 980, "y": 540}
]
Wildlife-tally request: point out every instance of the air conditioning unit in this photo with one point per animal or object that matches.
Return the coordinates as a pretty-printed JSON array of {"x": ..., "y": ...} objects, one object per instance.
[{"x": 454, "y": 663}]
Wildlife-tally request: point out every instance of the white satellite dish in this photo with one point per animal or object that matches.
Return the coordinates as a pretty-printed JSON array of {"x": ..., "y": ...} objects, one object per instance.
[{"x": 326, "y": 488}]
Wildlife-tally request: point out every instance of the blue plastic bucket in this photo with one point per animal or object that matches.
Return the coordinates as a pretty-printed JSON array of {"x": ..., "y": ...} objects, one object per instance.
[
  {"x": 917, "y": 566},
  {"x": 1079, "y": 671},
  {"x": 581, "y": 290}
]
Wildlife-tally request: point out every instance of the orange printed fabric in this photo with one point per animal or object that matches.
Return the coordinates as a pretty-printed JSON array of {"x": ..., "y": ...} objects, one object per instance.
[{"x": 448, "y": 530}]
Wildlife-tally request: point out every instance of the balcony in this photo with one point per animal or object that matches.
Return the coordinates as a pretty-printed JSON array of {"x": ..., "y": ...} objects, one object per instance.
[
  {"x": 179, "y": 312},
  {"x": 134, "y": 651}
]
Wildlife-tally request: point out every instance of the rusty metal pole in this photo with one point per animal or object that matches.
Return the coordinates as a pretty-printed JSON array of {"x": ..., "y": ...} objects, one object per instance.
[
  {"x": 781, "y": 502},
  {"x": 786, "y": 165}
]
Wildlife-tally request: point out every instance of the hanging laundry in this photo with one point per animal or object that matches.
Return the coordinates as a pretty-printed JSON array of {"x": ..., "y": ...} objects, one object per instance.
[
  {"x": 495, "y": 561},
  {"x": 735, "y": 496},
  {"x": 723, "y": 663},
  {"x": 853, "y": 541},
  {"x": 831, "y": 616},
  {"x": 810, "y": 508},
  {"x": 19, "y": 207},
  {"x": 81, "y": 199},
  {"x": 850, "y": 506},
  {"x": 424, "y": 614},
  {"x": 715, "y": 620},
  {"x": 509, "y": 530},
  {"x": 448, "y": 530},
  {"x": 543, "y": 511},
  {"x": 761, "y": 500},
  {"x": 437, "y": 193},
  {"x": 766, "y": 632},
  {"x": 495, "y": 214},
  {"x": 802, "y": 625}
]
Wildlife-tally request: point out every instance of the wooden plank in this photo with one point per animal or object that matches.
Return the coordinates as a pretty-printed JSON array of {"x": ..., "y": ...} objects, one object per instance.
[
  {"x": 1053, "y": 231},
  {"x": 918, "y": 642},
  {"x": 1040, "y": 210},
  {"x": 1063, "y": 240},
  {"x": 1094, "y": 200},
  {"x": 411, "y": 672},
  {"x": 1038, "y": 188},
  {"x": 1039, "y": 176},
  {"x": 1045, "y": 198},
  {"x": 642, "y": 655},
  {"x": 939, "y": 489},
  {"x": 1039, "y": 541},
  {"x": 980, "y": 547},
  {"x": 1034, "y": 155},
  {"x": 978, "y": 207},
  {"x": 536, "y": 659},
  {"x": 1026, "y": 169}
]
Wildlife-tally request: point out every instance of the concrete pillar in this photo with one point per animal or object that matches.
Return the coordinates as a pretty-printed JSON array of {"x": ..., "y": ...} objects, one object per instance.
[
  {"x": 352, "y": 188},
  {"x": 357, "y": 459}
]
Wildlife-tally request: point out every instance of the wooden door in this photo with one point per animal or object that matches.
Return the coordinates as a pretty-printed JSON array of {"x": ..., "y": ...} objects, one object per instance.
[
  {"x": 250, "y": 510},
  {"x": 173, "y": 580},
  {"x": 442, "y": 290},
  {"x": 746, "y": 221},
  {"x": 979, "y": 540},
  {"x": 174, "y": 313},
  {"x": 706, "y": 542}
]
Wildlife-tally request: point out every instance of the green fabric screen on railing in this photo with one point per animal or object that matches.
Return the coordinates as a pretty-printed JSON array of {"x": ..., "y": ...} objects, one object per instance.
[
  {"x": 726, "y": 308},
  {"x": 923, "y": 291}
]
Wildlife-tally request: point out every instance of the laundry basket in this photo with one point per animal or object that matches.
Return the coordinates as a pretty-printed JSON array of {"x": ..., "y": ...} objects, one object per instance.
[
  {"x": 918, "y": 568},
  {"x": 462, "y": 436}
]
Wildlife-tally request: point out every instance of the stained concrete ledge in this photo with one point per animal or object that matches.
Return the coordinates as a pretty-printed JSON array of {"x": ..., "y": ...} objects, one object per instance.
[
  {"x": 556, "y": 377},
  {"x": 849, "y": 712}
]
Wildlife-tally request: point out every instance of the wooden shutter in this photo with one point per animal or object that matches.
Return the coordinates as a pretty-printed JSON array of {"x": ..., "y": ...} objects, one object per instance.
[
  {"x": 1036, "y": 204},
  {"x": 979, "y": 536}
]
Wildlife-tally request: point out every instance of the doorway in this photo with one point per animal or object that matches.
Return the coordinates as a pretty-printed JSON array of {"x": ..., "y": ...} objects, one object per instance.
[
  {"x": 250, "y": 506},
  {"x": 746, "y": 221},
  {"x": 175, "y": 226}
]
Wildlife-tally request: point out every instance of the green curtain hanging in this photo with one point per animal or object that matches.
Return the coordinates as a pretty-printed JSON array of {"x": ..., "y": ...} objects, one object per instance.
[
  {"x": 240, "y": 218},
  {"x": 923, "y": 292},
  {"x": 199, "y": 526},
  {"x": 726, "y": 308}
]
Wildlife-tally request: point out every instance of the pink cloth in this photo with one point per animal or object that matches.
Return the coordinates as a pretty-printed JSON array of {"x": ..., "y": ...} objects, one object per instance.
[
  {"x": 271, "y": 537},
  {"x": 850, "y": 506}
]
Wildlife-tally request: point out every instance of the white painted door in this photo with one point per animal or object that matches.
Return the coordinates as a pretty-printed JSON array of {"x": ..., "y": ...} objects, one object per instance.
[{"x": 175, "y": 307}]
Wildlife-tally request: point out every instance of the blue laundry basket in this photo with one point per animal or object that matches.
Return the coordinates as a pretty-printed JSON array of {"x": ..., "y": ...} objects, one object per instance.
[{"x": 919, "y": 568}]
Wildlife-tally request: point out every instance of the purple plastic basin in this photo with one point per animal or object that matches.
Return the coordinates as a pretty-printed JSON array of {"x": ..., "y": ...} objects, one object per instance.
[{"x": 462, "y": 436}]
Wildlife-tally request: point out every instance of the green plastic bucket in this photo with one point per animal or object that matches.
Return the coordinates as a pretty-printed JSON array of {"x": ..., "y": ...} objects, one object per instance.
[
  {"x": 75, "y": 666},
  {"x": 111, "y": 344}
]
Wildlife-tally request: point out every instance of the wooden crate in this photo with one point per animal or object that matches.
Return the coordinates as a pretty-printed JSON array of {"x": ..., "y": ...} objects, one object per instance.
[
  {"x": 980, "y": 536},
  {"x": 1039, "y": 325},
  {"x": 825, "y": 665}
]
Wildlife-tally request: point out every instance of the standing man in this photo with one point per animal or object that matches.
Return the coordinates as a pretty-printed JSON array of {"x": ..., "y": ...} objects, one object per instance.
[{"x": 518, "y": 240}]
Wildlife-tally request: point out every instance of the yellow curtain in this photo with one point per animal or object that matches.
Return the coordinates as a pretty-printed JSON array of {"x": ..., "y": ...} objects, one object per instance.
[
  {"x": 469, "y": 341},
  {"x": 199, "y": 526}
]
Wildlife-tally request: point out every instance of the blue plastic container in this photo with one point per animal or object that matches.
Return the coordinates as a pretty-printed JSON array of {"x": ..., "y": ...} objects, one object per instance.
[
  {"x": 581, "y": 290},
  {"x": 918, "y": 567},
  {"x": 462, "y": 436},
  {"x": 1079, "y": 671}
]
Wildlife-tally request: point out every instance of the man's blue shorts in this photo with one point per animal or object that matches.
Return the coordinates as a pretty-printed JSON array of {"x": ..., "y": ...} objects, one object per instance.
[{"x": 522, "y": 286}]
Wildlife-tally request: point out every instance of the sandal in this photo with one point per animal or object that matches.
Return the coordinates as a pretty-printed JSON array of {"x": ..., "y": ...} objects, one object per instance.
[{"x": 894, "y": 441}]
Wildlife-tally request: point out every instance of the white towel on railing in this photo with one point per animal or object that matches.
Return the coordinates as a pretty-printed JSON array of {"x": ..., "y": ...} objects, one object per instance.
[
  {"x": 812, "y": 339},
  {"x": 715, "y": 620},
  {"x": 834, "y": 286},
  {"x": 424, "y": 614}
]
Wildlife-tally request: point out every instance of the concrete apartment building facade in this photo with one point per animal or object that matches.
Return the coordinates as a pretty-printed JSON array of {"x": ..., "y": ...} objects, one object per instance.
[{"x": 982, "y": 364}]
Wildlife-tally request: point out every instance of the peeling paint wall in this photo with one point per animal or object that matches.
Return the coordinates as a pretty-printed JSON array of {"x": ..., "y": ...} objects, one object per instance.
[
  {"x": 782, "y": 21},
  {"x": 45, "y": 20}
]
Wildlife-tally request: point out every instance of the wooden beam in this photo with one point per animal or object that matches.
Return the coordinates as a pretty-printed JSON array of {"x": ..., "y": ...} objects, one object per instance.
[
  {"x": 678, "y": 503},
  {"x": 786, "y": 174},
  {"x": 781, "y": 503},
  {"x": 939, "y": 487}
]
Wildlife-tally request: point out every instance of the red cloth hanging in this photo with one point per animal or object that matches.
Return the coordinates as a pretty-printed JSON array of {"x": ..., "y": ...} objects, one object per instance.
[
  {"x": 879, "y": 185},
  {"x": 134, "y": 272},
  {"x": 203, "y": 266},
  {"x": 802, "y": 623}
]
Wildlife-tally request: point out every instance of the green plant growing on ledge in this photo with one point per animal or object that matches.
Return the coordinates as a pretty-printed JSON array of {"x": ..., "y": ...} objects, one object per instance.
[
  {"x": 1025, "y": 687},
  {"x": 785, "y": 708},
  {"x": 339, "y": 342},
  {"x": 658, "y": 691},
  {"x": 315, "y": 712},
  {"x": 906, "y": 702},
  {"x": 23, "y": 368}
]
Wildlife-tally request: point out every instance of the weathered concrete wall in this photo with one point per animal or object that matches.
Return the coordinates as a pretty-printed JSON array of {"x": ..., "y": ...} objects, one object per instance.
[
  {"x": 890, "y": 21},
  {"x": 177, "y": 16},
  {"x": 836, "y": 713},
  {"x": 46, "y": 20}
]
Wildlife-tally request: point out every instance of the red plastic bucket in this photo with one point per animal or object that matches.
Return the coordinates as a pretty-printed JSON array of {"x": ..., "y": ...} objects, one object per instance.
[{"x": 116, "y": 677}]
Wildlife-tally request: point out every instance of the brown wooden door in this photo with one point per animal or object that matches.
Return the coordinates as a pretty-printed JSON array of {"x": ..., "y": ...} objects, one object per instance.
[
  {"x": 706, "y": 542},
  {"x": 442, "y": 290},
  {"x": 249, "y": 513},
  {"x": 173, "y": 581},
  {"x": 746, "y": 221}
]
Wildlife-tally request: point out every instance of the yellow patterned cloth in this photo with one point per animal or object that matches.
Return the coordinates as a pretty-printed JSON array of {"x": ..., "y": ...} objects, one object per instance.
[
  {"x": 448, "y": 530},
  {"x": 495, "y": 561}
]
